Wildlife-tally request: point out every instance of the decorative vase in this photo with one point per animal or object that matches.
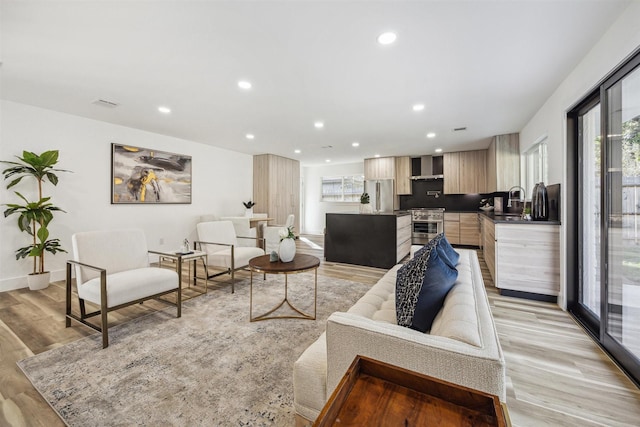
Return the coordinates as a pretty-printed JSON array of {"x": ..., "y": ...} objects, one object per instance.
[
  {"x": 248, "y": 213},
  {"x": 540, "y": 203},
  {"x": 287, "y": 250},
  {"x": 39, "y": 281}
]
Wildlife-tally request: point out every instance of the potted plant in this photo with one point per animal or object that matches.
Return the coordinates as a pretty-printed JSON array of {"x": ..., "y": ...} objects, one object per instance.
[
  {"x": 34, "y": 217},
  {"x": 249, "y": 205},
  {"x": 365, "y": 207}
]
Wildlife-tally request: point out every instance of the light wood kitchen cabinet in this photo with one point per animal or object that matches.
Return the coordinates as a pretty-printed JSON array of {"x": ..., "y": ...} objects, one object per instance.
[
  {"x": 488, "y": 234},
  {"x": 276, "y": 187},
  {"x": 403, "y": 175},
  {"x": 465, "y": 172},
  {"x": 503, "y": 162},
  {"x": 469, "y": 229},
  {"x": 380, "y": 168},
  {"x": 462, "y": 228},
  {"x": 452, "y": 227},
  {"x": 523, "y": 258},
  {"x": 403, "y": 236},
  {"x": 473, "y": 171},
  {"x": 451, "y": 172},
  {"x": 527, "y": 258}
]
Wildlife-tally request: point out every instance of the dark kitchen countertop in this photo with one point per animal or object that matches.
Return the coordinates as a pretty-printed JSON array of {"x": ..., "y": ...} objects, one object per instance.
[
  {"x": 499, "y": 218},
  {"x": 394, "y": 213}
]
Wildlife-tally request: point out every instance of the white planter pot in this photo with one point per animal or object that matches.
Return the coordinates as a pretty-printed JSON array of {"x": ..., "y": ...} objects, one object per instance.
[
  {"x": 287, "y": 250},
  {"x": 365, "y": 208},
  {"x": 39, "y": 280},
  {"x": 248, "y": 213}
]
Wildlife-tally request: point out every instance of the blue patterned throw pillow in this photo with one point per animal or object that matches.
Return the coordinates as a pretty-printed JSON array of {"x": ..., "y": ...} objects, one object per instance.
[
  {"x": 438, "y": 280},
  {"x": 446, "y": 251},
  {"x": 408, "y": 283},
  {"x": 433, "y": 242}
]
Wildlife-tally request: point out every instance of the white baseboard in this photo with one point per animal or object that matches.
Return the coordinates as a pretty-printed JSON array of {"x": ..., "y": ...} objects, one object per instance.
[{"x": 21, "y": 282}]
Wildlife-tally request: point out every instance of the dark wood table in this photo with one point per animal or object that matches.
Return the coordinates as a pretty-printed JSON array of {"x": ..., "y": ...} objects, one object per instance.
[
  {"x": 374, "y": 393},
  {"x": 299, "y": 264}
]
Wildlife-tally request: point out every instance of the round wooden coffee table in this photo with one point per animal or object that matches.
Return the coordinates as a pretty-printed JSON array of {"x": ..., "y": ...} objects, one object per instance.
[{"x": 300, "y": 264}]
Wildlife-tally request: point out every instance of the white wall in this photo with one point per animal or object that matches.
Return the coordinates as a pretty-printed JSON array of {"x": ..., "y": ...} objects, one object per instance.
[
  {"x": 619, "y": 42},
  {"x": 221, "y": 180},
  {"x": 314, "y": 209}
]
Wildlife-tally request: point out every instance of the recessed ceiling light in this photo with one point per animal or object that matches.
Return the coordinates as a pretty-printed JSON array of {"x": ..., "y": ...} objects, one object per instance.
[
  {"x": 250, "y": 136},
  {"x": 387, "y": 38},
  {"x": 318, "y": 125},
  {"x": 377, "y": 155},
  {"x": 165, "y": 110},
  {"x": 355, "y": 144},
  {"x": 418, "y": 107},
  {"x": 297, "y": 151},
  {"x": 244, "y": 84},
  {"x": 431, "y": 135},
  {"x": 438, "y": 150},
  {"x": 328, "y": 160}
]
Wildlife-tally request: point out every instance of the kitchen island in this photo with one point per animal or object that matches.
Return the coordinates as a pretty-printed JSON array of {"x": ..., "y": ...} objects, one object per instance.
[
  {"x": 375, "y": 240},
  {"x": 523, "y": 257}
]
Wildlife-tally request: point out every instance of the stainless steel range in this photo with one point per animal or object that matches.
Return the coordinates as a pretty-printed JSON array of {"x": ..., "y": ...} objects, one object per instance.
[{"x": 426, "y": 223}]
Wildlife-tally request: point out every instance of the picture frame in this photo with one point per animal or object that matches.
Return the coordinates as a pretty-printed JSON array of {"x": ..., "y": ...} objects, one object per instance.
[{"x": 145, "y": 176}]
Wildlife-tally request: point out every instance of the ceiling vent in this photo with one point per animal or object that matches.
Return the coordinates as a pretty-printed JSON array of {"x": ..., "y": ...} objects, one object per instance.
[
  {"x": 327, "y": 146},
  {"x": 105, "y": 103},
  {"x": 459, "y": 129}
]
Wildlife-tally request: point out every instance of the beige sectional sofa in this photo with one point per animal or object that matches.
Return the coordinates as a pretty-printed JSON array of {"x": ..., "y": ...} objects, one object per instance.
[{"x": 462, "y": 346}]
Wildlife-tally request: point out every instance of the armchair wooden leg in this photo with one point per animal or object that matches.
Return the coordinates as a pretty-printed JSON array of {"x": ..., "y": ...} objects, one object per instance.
[
  {"x": 105, "y": 327},
  {"x": 83, "y": 308},
  {"x": 67, "y": 319},
  {"x": 233, "y": 280},
  {"x": 104, "y": 309}
]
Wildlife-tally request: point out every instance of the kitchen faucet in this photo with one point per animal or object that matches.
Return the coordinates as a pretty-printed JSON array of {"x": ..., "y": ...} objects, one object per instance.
[{"x": 522, "y": 194}]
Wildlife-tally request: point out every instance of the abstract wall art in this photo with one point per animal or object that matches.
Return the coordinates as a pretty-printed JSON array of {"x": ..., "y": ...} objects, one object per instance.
[{"x": 147, "y": 176}]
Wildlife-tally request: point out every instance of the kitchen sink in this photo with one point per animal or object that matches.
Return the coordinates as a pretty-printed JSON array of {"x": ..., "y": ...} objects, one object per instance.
[{"x": 508, "y": 217}]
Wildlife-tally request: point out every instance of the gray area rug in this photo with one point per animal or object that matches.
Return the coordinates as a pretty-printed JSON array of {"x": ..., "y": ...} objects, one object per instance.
[{"x": 211, "y": 367}]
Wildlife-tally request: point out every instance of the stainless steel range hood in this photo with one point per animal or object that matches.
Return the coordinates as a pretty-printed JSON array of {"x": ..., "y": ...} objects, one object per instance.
[{"x": 426, "y": 170}]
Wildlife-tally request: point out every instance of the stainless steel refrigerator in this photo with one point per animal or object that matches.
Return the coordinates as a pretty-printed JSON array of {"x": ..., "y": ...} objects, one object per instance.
[{"x": 380, "y": 194}]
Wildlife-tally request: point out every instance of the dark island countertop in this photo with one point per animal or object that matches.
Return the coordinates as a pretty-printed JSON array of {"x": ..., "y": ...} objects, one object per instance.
[{"x": 394, "y": 213}]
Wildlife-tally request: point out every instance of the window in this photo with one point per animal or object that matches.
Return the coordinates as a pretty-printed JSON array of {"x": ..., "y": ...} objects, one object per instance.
[
  {"x": 342, "y": 188},
  {"x": 536, "y": 164}
]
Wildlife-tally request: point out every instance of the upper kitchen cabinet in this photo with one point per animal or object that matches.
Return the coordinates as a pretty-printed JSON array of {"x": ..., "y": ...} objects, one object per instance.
[
  {"x": 276, "y": 187},
  {"x": 451, "y": 172},
  {"x": 380, "y": 168},
  {"x": 503, "y": 162},
  {"x": 465, "y": 172},
  {"x": 403, "y": 175}
]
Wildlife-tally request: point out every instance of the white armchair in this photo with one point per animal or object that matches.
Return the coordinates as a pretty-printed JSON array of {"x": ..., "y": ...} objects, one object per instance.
[
  {"x": 271, "y": 236},
  {"x": 112, "y": 271},
  {"x": 244, "y": 232},
  {"x": 218, "y": 240}
]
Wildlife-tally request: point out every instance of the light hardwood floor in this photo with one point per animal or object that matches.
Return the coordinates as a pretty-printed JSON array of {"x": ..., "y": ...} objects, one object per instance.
[{"x": 556, "y": 375}]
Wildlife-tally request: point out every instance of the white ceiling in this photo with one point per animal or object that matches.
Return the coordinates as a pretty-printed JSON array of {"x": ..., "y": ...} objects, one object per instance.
[{"x": 484, "y": 65}]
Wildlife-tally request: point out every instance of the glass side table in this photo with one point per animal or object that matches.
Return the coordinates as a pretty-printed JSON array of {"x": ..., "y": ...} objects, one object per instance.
[{"x": 176, "y": 260}]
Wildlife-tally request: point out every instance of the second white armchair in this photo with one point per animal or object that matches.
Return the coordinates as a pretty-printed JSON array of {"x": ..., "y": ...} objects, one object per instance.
[{"x": 218, "y": 240}]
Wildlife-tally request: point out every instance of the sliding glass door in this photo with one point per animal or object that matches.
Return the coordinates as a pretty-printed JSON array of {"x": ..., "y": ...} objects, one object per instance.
[
  {"x": 604, "y": 263},
  {"x": 623, "y": 215},
  {"x": 590, "y": 213}
]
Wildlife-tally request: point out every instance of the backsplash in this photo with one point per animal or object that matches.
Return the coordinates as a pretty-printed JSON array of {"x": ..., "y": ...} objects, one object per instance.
[{"x": 451, "y": 202}]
